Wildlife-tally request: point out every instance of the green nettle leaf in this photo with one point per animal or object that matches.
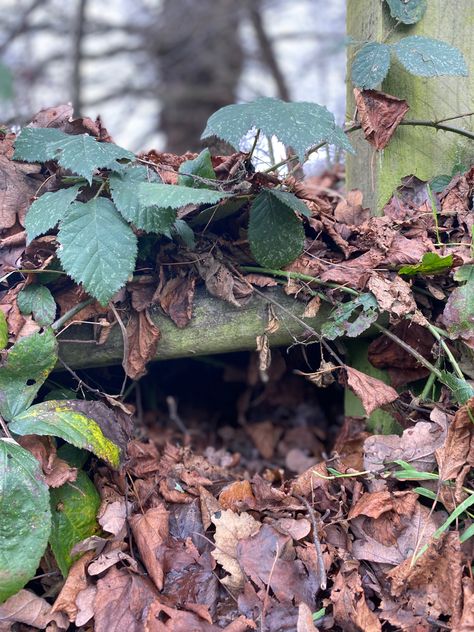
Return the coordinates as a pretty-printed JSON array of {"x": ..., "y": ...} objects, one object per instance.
[
  {"x": 48, "y": 210},
  {"x": 82, "y": 154},
  {"x": 370, "y": 65},
  {"x": 37, "y": 300},
  {"x": 427, "y": 57},
  {"x": 298, "y": 125},
  {"x": 431, "y": 263},
  {"x": 74, "y": 518},
  {"x": 365, "y": 309},
  {"x": 97, "y": 248},
  {"x": 29, "y": 362},
  {"x": 439, "y": 183},
  {"x": 407, "y": 11},
  {"x": 3, "y": 330},
  {"x": 25, "y": 518},
  {"x": 462, "y": 390},
  {"x": 88, "y": 425},
  {"x": 276, "y": 235},
  {"x": 200, "y": 166}
]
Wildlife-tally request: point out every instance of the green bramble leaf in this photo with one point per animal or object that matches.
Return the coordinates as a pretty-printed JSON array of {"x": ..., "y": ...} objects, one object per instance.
[
  {"x": 458, "y": 315},
  {"x": 74, "y": 518},
  {"x": 439, "y": 183},
  {"x": 37, "y": 300},
  {"x": 291, "y": 201},
  {"x": 342, "y": 321},
  {"x": 407, "y": 11},
  {"x": 183, "y": 230},
  {"x": 431, "y": 263},
  {"x": 48, "y": 210},
  {"x": 462, "y": 390},
  {"x": 427, "y": 57},
  {"x": 25, "y": 517},
  {"x": 299, "y": 125},
  {"x": 84, "y": 424},
  {"x": 276, "y": 235},
  {"x": 200, "y": 166},
  {"x": 97, "y": 248},
  {"x": 29, "y": 362},
  {"x": 3, "y": 330},
  {"x": 82, "y": 154},
  {"x": 370, "y": 65}
]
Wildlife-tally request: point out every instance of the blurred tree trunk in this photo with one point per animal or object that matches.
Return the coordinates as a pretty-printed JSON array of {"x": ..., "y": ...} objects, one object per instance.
[{"x": 200, "y": 58}]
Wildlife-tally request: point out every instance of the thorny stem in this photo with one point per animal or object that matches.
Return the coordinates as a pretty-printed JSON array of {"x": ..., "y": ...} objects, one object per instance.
[
  {"x": 301, "y": 277},
  {"x": 254, "y": 145},
  {"x": 322, "y": 577},
  {"x": 423, "y": 123}
]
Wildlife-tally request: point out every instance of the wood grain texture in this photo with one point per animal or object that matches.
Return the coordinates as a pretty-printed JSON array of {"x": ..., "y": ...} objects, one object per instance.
[{"x": 422, "y": 151}]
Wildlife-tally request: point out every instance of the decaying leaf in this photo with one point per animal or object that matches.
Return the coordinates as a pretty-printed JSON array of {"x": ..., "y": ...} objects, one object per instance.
[
  {"x": 372, "y": 392},
  {"x": 379, "y": 114},
  {"x": 76, "y": 581},
  {"x": 176, "y": 299},
  {"x": 151, "y": 531},
  {"x": 143, "y": 337},
  {"x": 26, "y": 607}
]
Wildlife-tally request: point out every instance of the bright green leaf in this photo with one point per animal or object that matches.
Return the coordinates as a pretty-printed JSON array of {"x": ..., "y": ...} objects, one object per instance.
[
  {"x": 74, "y": 518},
  {"x": 175, "y": 196},
  {"x": 85, "y": 424},
  {"x": 276, "y": 235},
  {"x": 97, "y": 248},
  {"x": 298, "y": 125},
  {"x": 427, "y": 57},
  {"x": 370, "y": 65},
  {"x": 407, "y": 11},
  {"x": 431, "y": 263},
  {"x": 25, "y": 518},
  {"x": 467, "y": 534},
  {"x": 82, "y": 154},
  {"x": 47, "y": 210},
  {"x": 351, "y": 318},
  {"x": 3, "y": 330},
  {"x": 200, "y": 166},
  {"x": 37, "y": 300},
  {"x": 29, "y": 362}
]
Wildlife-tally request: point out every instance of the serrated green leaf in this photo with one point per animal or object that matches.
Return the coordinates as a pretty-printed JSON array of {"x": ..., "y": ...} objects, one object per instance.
[
  {"x": 29, "y": 362},
  {"x": 298, "y": 125},
  {"x": 291, "y": 201},
  {"x": 82, "y": 154},
  {"x": 175, "y": 196},
  {"x": 3, "y": 330},
  {"x": 37, "y": 300},
  {"x": 462, "y": 390},
  {"x": 88, "y": 425},
  {"x": 74, "y": 518},
  {"x": 407, "y": 11},
  {"x": 431, "y": 263},
  {"x": 439, "y": 183},
  {"x": 48, "y": 210},
  {"x": 276, "y": 235},
  {"x": 370, "y": 65},
  {"x": 364, "y": 308},
  {"x": 200, "y": 166},
  {"x": 217, "y": 212},
  {"x": 186, "y": 233},
  {"x": 427, "y": 57},
  {"x": 97, "y": 248},
  {"x": 25, "y": 518}
]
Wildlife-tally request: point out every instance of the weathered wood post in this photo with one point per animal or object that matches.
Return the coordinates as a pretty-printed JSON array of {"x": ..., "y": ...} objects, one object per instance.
[{"x": 423, "y": 151}]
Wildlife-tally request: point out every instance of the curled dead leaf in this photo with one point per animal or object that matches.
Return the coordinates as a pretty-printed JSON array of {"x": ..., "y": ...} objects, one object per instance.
[{"x": 372, "y": 392}]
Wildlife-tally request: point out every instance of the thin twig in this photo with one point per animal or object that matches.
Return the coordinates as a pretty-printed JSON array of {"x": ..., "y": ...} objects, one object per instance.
[
  {"x": 322, "y": 577},
  {"x": 5, "y": 428},
  {"x": 267, "y": 589},
  {"x": 70, "y": 313},
  {"x": 123, "y": 329},
  {"x": 301, "y": 277},
  {"x": 423, "y": 123}
]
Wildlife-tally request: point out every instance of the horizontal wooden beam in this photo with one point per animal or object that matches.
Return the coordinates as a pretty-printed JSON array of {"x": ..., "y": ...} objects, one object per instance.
[{"x": 216, "y": 327}]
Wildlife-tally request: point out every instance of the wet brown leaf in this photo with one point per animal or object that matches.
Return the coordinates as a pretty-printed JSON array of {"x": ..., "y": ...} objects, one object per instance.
[
  {"x": 176, "y": 299},
  {"x": 372, "y": 392},
  {"x": 26, "y": 607},
  {"x": 151, "y": 531},
  {"x": 237, "y": 496},
  {"x": 143, "y": 337},
  {"x": 379, "y": 114},
  {"x": 466, "y": 622}
]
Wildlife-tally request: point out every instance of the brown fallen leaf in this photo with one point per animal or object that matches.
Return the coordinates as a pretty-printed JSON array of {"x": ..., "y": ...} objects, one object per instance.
[
  {"x": 112, "y": 516},
  {"x": 111, "y": 558},
  {"x": 372, "y": 392},
  {"x": 176, "y": 299},
  {"x": 350, "y": 211},
  {"x": 143, "y": 337},
  {"x": 305, "y": 621},
  {"x": 57, "y": 472},
  {"x": 151, "y": 531},
  {"x": 379, "y": 114},
  {"x": 466, "y": 622},
  {"x": 221, "y": 283},
  {"x": 297, "y": 529},
  {"x": 265, "y": 436},
  {"x": 237, "y": 496},
  {"x": 76, "y": 581},
  {"x": 231, "y": 528},
  {"x": 26, "y": 607},
  {"x": 393, "y": 295},
  {"x": 175, "y": 620},
  {"x": 85, "y": 605}
]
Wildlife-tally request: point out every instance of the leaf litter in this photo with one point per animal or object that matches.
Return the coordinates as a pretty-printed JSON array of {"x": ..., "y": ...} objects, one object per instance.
[{"x": 233, "y": 527}]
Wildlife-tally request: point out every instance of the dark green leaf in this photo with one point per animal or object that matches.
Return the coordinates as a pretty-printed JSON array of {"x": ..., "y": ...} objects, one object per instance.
[
  {"x": 363, "y": 311},
  {"x": 298, "y": 125},
  {"x": 186, "y": 233},
  {"x": 60, "y": 393},
  {"x": 3, "y": 330},
  {"x": 462, "y": 390},
  {"x": 431, "y": 263},
  {"x": 28, "y": 364},
  {"x": 276, "y": 235},
  {"x": 88, "y": 425},
  {"x": 46, "y": 211},
  {"x": 82, "y": 154},
  {"x": 370, "y": 65},
  {"x": 201, "y": 166},
  {"x": 175, "y": 196},
  {"x": 439, "y": 183},
  {"x": 407, "y": 11},
  {"x": 37, "y": 300},
  {"x": 74, "y": 518},
  {"x": 25, "y": 518},
  {"x": 219, "y": 211},
  {"x": 75, "y": 457},
  {"x": 458, "y": 315},
  {"x": 427, "y": 57},
  {"x": 291, "y": 201},
  {"x": 97, "y": 248}
]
